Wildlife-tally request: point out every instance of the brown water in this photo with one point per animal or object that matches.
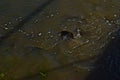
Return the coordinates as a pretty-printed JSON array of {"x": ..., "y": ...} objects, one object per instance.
[{"x": 36, "y": 52}]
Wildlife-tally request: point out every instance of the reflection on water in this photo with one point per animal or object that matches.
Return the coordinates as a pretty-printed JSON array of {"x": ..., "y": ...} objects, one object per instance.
[{"x": 56, "y": 39}]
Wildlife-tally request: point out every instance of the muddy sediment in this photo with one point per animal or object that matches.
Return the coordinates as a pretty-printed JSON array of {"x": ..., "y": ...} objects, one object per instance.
[{"x": 65, "y": 32}]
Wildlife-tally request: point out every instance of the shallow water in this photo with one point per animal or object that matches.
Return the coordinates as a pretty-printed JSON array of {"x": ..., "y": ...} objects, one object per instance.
[{"x": 32, "y": 47}]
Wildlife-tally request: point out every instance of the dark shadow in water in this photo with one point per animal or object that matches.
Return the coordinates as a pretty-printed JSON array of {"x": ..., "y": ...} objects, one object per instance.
[
  {"x": 25, "y": 20},
  {"x": 107, "y": 67}
]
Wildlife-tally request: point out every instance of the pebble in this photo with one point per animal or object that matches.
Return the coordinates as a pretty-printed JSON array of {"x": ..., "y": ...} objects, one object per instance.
[
  {"x": 6, "y": 28},
  {"x": 39, "y": 34}
]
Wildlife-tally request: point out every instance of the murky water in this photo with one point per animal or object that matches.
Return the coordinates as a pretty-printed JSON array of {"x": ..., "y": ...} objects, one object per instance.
[{"x": 33, "y": 47}]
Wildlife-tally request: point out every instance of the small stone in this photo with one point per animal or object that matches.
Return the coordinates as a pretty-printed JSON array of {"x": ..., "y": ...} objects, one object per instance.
[
  {"x": 49, "y": 32},
  {"x": 51, "y": 15},
  {"x": 6, "y": 28},
  {"x": 5, "y": 24},
  {"x": 36, "y": 21},
  {"x": 39, "y": 34},
  {"x": 20, "y": 17},
  {"x": 113, "y": 37},
  {"x": 115, "y": 15},
  {"x": 9, "y": 23},
  {"x": 51, "y": 36}
]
